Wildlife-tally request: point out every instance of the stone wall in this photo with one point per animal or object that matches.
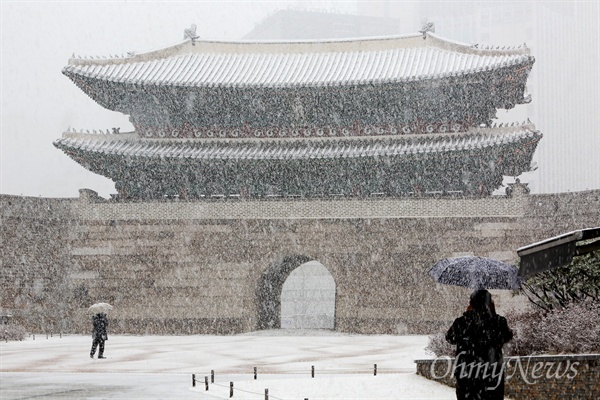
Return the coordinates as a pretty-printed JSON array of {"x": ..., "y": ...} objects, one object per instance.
[
  {"x": 574, "y": 377},
  {"x": 35, "y": 260},
  {"x": 218, "y": 266},
  {"x": 552, "y": 214}
]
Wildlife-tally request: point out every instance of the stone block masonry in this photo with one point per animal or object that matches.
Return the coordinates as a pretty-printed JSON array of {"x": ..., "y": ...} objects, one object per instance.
[{"x": 177, "y": 267}]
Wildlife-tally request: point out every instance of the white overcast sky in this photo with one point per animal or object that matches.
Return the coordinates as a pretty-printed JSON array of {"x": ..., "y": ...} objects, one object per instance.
[{"x": 39, "y": 103}]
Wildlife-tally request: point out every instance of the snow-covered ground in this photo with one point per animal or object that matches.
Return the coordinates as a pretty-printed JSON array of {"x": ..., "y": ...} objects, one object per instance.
[{"x": 161, "y": 367}]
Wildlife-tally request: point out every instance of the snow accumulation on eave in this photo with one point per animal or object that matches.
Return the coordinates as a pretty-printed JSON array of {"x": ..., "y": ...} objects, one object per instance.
[
  {"x": 305, "y": 149},
  {"x": 488, "y": 50},
  {"x": 131, "y": 56},
  {"x": 297, "y": 70}
]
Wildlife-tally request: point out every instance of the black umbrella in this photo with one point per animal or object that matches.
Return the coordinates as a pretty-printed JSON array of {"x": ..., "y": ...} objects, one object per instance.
[{"x": 475, "y": 273}]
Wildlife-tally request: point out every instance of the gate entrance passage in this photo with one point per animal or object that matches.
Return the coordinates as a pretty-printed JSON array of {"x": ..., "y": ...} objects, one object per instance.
[{"x": 308, "y": 298}]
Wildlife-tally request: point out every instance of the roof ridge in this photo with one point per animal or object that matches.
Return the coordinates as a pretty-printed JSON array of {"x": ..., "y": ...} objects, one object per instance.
[{"x": 338, "y": 45}]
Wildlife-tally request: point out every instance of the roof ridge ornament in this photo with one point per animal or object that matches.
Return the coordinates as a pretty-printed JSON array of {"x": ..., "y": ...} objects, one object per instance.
[
  {"x": 190, "y": 33},
  {"x": 427, "y": 26}
]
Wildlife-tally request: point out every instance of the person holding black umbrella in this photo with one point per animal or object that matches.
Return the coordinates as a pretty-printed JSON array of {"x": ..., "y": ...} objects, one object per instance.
[
  {"x": 479, "y": 335},
  {"x": 99, "y": 335}
]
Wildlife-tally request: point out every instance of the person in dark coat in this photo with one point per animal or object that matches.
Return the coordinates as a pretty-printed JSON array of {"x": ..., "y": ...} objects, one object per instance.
[
  {"x": 99, "y": 335},
  {"x": 479, "y": 336}
]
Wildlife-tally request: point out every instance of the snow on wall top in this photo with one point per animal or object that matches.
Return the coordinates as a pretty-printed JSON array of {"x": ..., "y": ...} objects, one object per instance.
[{"x": 289, "y": 64}]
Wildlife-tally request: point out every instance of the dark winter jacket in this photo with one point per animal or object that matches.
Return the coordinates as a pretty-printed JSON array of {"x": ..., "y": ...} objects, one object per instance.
[
  {"x": 479, "y": 336},
  {"x": 100, "y": 326}
]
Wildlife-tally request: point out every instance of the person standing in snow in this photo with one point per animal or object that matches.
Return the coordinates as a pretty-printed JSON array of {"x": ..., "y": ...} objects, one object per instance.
[
  {"x": 99, "y": 335},
  {"x": 479, "y": 335}
]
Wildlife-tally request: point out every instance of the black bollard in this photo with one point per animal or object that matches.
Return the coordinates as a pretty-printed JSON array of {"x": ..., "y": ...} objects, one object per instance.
[
  {"x": 312, "y": 371},
  {"x": 206, "y": 383},
  {"x": 254, "y": 373},
  {"x": 230, "y": 389},
  {"x": 212, "y": 376},
  {"x": 266, "y": 394},
  {"x": 193, "y": 380},
  {"x": 375, "y": 370}
]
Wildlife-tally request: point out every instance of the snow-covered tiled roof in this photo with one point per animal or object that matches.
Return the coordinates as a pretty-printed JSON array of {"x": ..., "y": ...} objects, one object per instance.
[
  {"x": 304, "y": 149},
  {"x": 322, "y": 63}
]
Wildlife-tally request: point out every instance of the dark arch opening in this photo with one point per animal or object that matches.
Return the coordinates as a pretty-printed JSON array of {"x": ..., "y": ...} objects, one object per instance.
[{"x": 269, "y": 290}]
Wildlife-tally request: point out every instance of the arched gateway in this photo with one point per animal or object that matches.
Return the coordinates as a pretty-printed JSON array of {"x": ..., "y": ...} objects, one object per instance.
[
  {"x": 276, "y": 304},
  {"x": 308, "y": 298}
]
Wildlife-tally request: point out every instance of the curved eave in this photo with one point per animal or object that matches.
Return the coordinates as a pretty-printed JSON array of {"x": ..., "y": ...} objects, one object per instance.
[
  {"x": 300, "y": 149},
  {"x": 523, "y": 66},
  {"x": 369, "y": 61},
  {"x": 297, "y": 71},
  {"x": 117, "y": 95}
]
